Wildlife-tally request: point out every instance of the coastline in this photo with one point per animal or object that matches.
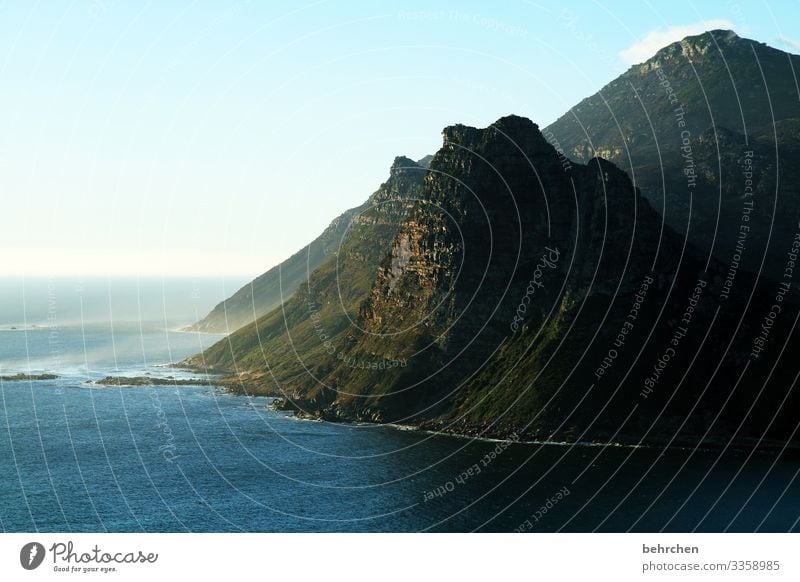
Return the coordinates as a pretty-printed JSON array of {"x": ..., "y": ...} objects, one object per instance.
[
  {"x": 252, "y": 384},
  {"x": 247, "y": 384}
]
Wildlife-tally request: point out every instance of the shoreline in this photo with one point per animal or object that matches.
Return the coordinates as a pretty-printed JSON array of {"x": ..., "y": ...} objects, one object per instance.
[
  {"x": 241, "y": 385},
  {"x": 238, "y": 386},
  {"x": 136, "y": 381},
  {"x": 765, "y": 446}
]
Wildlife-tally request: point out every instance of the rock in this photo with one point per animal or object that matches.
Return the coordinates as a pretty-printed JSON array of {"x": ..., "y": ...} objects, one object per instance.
[
  {"x": 152, "y": 381},
  {"x": 22, "y": 377}
]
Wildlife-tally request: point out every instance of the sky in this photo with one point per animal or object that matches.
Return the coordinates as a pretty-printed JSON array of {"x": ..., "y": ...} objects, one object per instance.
[{"x": 201, "y": 138}]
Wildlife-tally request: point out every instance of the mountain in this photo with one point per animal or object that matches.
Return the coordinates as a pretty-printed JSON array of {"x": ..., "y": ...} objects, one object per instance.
[
  {"x": 504, "y": 293},
  {"x": 689, "y": 126},
  {"x": 707, "y": 129},
  {"x": 269, "y": 290}
]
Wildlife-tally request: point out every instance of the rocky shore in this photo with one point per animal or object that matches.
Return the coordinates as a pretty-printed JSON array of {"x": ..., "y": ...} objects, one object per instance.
[
  {"x": 522, "y": 434},
  {"x": 151, "y": 381},
  {"x": 22, "y": 377}
]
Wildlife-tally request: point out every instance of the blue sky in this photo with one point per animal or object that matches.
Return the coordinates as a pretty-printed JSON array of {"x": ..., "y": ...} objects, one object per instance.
[{"x": 204, "y": 138}]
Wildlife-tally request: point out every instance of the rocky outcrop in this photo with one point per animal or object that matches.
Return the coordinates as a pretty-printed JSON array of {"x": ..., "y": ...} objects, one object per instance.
[
  {"x": 22, "y": 377},
  {"x": 290, "y": 341},
  {"x": 277, "y": 285},
  {"x": 123, "y": 381}
]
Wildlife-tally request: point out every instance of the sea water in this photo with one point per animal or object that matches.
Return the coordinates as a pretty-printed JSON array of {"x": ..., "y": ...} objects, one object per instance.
[{"x": 80, "y": 457}]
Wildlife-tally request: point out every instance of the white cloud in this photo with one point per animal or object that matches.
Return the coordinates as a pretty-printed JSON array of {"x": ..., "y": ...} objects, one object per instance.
[
  {"x": 650, "y": 43},
  {"x": 791, "y": 43}
]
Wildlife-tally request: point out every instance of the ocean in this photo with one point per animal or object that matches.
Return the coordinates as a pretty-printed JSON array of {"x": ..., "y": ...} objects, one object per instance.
[{"x": 76, "y": 457}]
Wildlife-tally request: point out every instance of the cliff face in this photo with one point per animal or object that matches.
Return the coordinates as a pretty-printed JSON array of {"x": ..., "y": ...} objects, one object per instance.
[
  {"x": 270, "y": 290},
  {"x": 705, "y": 125},
  {"x": 276, "y": 345},
  {"x": 516, "y": 294}
]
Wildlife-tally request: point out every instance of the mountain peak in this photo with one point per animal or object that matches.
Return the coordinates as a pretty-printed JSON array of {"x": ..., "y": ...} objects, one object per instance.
[
  {"x": 402, "y": 164},
  {"x": 511, "y": 133},
  {"x": 721, "y": 35},
  {"x": 727, "y": 94},
  {"x": 699, "y": 45},
  {"x": 510, "y": 125},
  {"x": 515, "y": 122},
  {"x": 710, "y": 38}
]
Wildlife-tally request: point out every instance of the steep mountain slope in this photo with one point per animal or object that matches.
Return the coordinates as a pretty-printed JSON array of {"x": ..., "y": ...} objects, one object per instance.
[
  {"x": 706, "y": 129},
  {"x": 269, "y": 290},
  {"x": 519, "y": 296},
  {"x": 323, "y": 306}
]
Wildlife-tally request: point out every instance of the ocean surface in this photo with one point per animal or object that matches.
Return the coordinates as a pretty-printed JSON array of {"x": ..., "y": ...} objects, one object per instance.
[{"x": 84, "y": 458}]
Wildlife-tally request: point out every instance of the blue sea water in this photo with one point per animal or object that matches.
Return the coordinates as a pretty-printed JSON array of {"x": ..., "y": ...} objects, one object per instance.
[{"x": 78, "y": 457}]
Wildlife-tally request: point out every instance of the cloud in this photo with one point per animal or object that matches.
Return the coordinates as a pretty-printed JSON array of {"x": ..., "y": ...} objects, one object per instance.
[
  {"x": 649, "y": 43},
  {"x": 791, "y": 43}
]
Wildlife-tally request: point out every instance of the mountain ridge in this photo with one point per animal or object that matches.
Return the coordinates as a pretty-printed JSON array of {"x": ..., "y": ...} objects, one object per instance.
[{"x": 493, "y": 307}]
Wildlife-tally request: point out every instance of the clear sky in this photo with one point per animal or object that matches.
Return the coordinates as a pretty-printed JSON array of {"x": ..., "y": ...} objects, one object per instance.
[{"x": 190, "y": 138}]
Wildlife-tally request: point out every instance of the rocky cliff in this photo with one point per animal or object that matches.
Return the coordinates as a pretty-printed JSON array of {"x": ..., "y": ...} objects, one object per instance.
[
  {"x": 278, "y": 284},
  {"x": 503, "y": 292},
  {"x": 277, "y": 344}
]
